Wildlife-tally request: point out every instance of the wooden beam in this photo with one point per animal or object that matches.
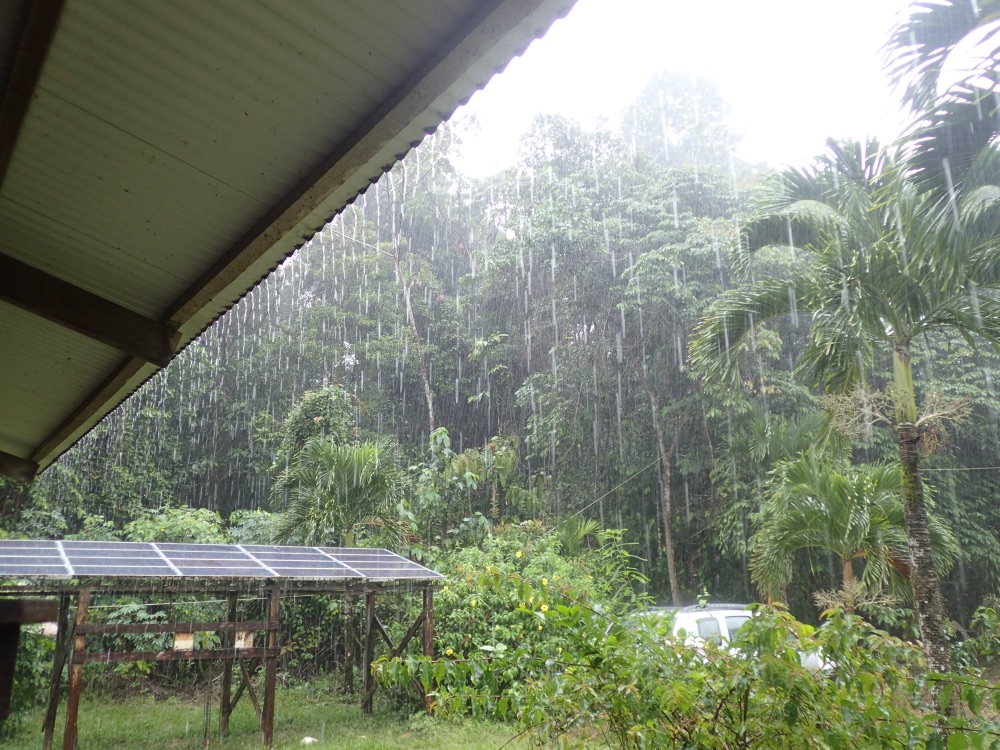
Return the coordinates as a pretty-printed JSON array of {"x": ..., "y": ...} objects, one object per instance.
[
  {"x": 71, "y": 732},
  {"x": 58, "y": 665},
  {"x": 21, "y": 469},
  {"x": 25, "y": 611},
  {"x": 37, "y": 31},
  {"x": 84, "y": 312},
  {"x": 216, "y": 654},
  {"x": 116, "y": 628}
]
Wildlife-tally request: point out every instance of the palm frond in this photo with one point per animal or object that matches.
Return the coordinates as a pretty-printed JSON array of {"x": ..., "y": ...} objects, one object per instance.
[
  {"x": 919, "y": 46},
  {"x": 331, "y": 489},
  {"x": 715, "y": 345},
  {"x": 944, "y": 146}
]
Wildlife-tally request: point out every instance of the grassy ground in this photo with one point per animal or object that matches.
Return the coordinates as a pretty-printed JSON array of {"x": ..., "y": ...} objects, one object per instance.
[{"x": 307, "y": 710}]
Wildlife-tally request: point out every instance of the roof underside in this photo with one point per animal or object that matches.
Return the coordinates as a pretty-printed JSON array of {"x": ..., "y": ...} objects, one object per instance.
[{"x": 158, "y": 159}]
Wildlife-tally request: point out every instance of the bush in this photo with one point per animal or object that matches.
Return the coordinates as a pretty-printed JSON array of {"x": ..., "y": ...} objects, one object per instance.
[
  {"x": 637, "y": 686},
  {"x": 491, "y": 619}
]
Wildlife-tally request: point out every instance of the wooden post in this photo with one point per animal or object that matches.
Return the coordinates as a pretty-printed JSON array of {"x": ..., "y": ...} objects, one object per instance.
[
  {"x": 13, "y": 614},
  {"x": 369, "y": 655},
  {"x": 348, "y": 646},
  {"x": 58, "y": 664},
  {"x": 76, "y": 672},
  {"x": 271, "y": 665},
  {"x": 428, "y": 632},
  {"x": 228, "y": 641}
]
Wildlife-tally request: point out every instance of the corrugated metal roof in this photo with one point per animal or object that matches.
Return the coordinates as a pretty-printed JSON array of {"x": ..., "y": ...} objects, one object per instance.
[{"x": 174, "y": 151}]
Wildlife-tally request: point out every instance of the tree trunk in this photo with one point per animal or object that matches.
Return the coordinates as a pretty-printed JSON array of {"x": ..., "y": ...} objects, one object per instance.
[
  {"x": 666, "y": 505},
  {"x": 928, "y": 604},
  {"x": 848, "y": 585},
  {"x": 428, "y": 393}
]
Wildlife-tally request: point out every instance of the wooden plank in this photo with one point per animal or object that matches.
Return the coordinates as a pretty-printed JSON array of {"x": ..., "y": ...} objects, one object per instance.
[
  {"x": 21, "y": 469},
  {"x": 25, "y": 611},
  {"x": 172, "y": 655},
  {"x": 35, "y": 38},
  {"x": 171, "y": 627},
  {"x": 57, "y": 300}
]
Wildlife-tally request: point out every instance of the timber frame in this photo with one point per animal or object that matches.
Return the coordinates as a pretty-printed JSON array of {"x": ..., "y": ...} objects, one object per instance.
[{"x": 245, "y": 661}]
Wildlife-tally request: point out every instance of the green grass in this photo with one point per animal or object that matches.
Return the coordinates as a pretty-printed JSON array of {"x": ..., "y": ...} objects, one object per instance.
[{"x": 313, "y": 709}]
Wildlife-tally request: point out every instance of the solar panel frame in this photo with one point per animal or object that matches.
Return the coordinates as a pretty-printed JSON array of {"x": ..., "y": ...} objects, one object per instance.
[{"x": 69, "y": 559}]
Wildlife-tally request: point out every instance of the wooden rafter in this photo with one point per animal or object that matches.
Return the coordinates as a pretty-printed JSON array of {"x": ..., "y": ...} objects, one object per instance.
[
  {"x": 35, "y": 38},
  {"x": 59, "y": 301},
  {"x": 20, "y": 469}
]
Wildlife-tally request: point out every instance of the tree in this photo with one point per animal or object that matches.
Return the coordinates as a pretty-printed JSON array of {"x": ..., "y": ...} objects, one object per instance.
[
  {"x": 856, "y": 515},
  {"x": 681, "y": 120},
  {"x": 327, "y": 412},
  {"x": 875, "y": 269},
  {"x": 333, "y": 489}
]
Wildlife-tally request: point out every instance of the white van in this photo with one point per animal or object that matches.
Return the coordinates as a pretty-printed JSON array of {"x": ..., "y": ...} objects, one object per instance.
[{"x": 720, "y": 623}]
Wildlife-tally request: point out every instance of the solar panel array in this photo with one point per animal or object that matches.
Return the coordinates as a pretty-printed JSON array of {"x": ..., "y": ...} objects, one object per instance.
[{"x": 79, "y": 559}]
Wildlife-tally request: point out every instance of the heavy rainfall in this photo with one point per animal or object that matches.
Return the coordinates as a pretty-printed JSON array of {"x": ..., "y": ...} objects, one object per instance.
[{"x": 637, "y": 358}]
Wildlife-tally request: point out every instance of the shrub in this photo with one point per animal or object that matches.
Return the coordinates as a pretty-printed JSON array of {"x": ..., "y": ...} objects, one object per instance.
[{"x": 635, "y": 685}]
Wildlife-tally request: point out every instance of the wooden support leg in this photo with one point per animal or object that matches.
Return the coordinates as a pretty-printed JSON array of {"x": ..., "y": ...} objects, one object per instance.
[
  {"x": 369, "y": 655},
  {"x": 225, "y": 702},
  {"x": 428, "y": 632},
  {"x": 10, "y": 637},
  {"x": 76, "y": 672},
  {"x": 58, "y": 664},
  {"x": 247, "y": 685},
  {"x": 348, "y": 647},
  {"x": 271, "y": 666}
]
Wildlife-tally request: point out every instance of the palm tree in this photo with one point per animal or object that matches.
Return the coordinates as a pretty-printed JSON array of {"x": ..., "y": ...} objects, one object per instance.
[
  {"x": 331, "y": 489},
  {"x": 855, "y": 515},
  {"x": 875, "y": 268},
  {"x": 944, "y": 58}
]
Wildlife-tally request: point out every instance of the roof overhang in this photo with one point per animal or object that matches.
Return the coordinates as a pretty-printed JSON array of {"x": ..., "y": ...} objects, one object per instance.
[{"x": 158, "y": 159}]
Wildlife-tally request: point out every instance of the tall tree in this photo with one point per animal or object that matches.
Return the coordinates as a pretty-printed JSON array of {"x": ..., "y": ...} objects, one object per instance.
[{"x": 875, "y": 269}]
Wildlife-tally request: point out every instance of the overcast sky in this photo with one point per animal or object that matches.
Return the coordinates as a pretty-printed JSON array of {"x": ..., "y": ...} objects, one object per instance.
[{"x": 795, "y": 71}]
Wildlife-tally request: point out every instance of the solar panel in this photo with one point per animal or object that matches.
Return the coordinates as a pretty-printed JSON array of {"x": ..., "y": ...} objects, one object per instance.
[{"x": 75, "y": 559}]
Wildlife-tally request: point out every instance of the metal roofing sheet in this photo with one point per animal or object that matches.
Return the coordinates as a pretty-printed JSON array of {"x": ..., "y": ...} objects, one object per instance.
[{"x": 173, "y": 152}]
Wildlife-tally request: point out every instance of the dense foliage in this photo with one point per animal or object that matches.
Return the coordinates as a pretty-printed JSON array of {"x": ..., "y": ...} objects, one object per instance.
[{"x": 763, "y": 386}]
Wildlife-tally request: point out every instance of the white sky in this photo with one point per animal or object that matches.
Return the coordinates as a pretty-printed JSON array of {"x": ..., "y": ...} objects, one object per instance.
[{"x": 795, "y": 71}]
